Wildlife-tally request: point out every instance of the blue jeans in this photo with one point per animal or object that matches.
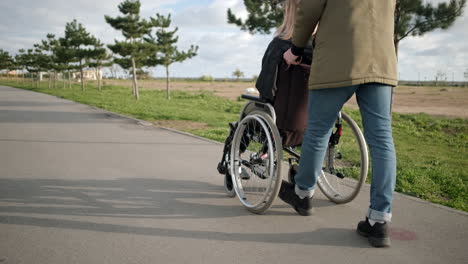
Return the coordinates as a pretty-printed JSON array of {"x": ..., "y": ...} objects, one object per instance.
[{"x": 375, "y": 105}]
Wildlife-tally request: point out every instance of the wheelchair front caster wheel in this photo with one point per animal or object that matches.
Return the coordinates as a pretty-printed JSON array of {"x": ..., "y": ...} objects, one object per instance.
[{"x": 228, "y": 185}]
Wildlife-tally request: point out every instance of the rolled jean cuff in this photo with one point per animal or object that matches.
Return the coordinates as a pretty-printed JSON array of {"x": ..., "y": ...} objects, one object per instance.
[{"x": 379, "y": 216}]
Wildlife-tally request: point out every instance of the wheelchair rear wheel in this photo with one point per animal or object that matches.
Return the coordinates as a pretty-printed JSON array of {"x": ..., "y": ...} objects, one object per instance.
[
  {"x": 256, "y": 158},
  {"x": 346, "y": 164}
]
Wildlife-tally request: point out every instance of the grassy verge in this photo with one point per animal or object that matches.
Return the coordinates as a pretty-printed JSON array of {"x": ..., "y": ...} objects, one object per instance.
[{"x": 431, "y": 151}]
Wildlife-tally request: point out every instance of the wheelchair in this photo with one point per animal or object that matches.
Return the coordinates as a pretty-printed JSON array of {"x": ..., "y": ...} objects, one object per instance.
[{"x": 253, "y": 158}]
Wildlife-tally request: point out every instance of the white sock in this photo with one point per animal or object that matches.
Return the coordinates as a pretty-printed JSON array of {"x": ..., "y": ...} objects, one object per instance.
[
  {"x": 372, "y": 222},
  {"x": 303, "y": 193}
]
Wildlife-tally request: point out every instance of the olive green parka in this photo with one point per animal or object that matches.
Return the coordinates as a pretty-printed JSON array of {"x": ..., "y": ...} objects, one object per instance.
[{"x": 354, "y": 42}]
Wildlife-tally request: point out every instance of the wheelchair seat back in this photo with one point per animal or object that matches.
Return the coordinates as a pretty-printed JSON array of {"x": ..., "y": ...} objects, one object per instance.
[{"x": 256, "y": 103}]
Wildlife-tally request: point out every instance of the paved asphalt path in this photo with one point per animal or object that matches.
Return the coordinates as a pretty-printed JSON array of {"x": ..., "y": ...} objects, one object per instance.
[{"x": 80, "y": 185}]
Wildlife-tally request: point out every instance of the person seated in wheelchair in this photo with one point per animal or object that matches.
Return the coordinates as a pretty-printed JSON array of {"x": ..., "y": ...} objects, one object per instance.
[{"x": 283, "y": 86}]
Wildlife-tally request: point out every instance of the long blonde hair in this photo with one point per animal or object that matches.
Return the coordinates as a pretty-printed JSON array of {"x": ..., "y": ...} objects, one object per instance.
[{"x": 285, "y": 31}]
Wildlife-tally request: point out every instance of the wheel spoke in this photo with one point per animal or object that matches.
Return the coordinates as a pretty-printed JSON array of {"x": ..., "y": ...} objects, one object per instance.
[
  {"x": 255, "y": 176},
  {"x": 345, "y": 165}
]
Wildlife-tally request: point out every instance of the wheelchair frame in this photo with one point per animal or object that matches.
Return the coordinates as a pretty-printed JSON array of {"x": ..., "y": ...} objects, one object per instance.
[{"x": 256, "y": 104}]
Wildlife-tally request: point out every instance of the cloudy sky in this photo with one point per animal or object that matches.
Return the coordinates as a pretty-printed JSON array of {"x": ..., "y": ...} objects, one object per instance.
[{"x": 222, "y": 47}]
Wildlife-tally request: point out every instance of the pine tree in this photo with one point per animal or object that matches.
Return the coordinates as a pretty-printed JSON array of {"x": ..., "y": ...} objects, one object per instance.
[
  {"x": 81, "y": 45},
  {"x": 21, "y": 61},
  {"x": 415, "y": 18},
  {"x": 35, "y": 62},
  {"x": 101, "y": 58},
  {"x": 59, "y": 62},
  {"x": 134, "y": 50},
  {"x": 262, "y": 16},
  {"x": 24, "y": 57},
  {"x": 65, "y": 55},
  {"x": 12, "y": 67},
  {"x": 412, "y": 17},
  {"x": 46, "y": 48},
  {"x": 6, "y": 61},
  {"x": 167, "y": 51}
]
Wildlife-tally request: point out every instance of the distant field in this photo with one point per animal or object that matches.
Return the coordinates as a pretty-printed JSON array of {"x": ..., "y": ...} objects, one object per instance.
[
  {"x": 431, "y": 150},
  {"x": 443, "y": 101}
]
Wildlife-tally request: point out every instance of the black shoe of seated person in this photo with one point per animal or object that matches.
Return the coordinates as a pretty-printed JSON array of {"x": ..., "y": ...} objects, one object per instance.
[
  {"x": 289, "y": 196},
  {"x": 376, "y": 234}
]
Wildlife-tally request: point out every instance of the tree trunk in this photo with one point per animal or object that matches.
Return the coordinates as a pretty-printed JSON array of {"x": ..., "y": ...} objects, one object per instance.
[
  {"x": 396, "y": 49},
  {"x": 395, "y": 41},
  {"x": 82, "y": 79},
  {"x": 98, "y": 70},
  {"x": 63, "y": 81},
  {"x": 135, "y": 84},
  {"x": 55, "y": 79},
  {"x": 397, "y": 22},
  {"x": 167, "y": 83},
  {"x": 69, "y": 79},
  {"x": 50, "y": 79},
  {"x": 97, "y": 79}
]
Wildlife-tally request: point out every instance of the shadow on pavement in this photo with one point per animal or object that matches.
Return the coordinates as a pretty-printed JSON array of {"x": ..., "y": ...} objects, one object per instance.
[
  {"x": 142, "y": 199},
  {"x": 323, "y": 236},
  {"x": 25, "y": 116},
  {"x": 80, "y": 142},
  {"x": 123, "y": 198},
  {"x": 32, "y": 103}
]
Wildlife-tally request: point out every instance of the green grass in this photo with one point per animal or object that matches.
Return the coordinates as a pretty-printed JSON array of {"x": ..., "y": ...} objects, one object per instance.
[
  {"x": 431, "y": 151},
  {"x": 199, "y": 107},
  {"x": 431, "y": 157}
]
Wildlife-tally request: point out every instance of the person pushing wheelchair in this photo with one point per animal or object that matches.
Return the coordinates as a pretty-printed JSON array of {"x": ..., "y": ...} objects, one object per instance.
[{"x": 354, "y": 54}]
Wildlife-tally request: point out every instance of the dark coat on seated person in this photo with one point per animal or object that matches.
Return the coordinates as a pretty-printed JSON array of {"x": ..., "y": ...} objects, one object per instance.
[{"x": 286, "y": 89}]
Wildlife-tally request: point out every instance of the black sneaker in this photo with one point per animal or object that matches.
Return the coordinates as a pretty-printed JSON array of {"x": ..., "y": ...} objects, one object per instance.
[
  {"x": 288, "y": 195},
  {"x": 376, "y": 234}
]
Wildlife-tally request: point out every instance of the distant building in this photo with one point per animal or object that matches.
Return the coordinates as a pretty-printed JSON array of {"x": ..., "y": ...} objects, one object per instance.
[
  {"x": 43, "y": 75},
  {"x": 9, "y": 74},
  {"x": 89, "y": 74}
]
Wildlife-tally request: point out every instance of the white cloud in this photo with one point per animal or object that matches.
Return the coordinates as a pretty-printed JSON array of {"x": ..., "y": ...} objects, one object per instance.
[
  {"x": 210, "y": 16},
  {"x": 445, "y": 50},
  {"x": 221, "y": 53},
  {"x": 223, "y": 47}
]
